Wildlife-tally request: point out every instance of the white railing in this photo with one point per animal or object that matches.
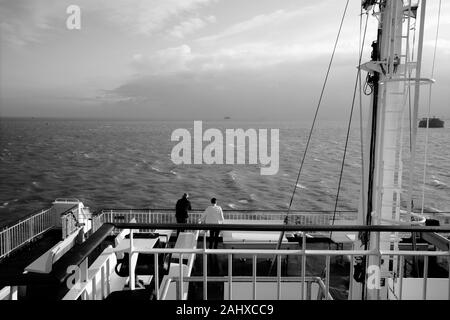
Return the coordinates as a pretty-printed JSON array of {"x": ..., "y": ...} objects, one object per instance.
[
  {"x": 280, "y": 282},
  {"x": 295, "y": 217},
  {"x": 394, "y": 284},
  {"x": 24, "y": 231},
  {"x": 398, "y": 279},
  {"x": 168, "y": 216},
  {"x": 67, "y": 200},
  {"x": 99, "y": 279}
]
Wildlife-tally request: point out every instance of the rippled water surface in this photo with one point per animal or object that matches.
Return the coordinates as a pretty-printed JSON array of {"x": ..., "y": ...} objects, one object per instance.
[{"x": 128, "y": 164}]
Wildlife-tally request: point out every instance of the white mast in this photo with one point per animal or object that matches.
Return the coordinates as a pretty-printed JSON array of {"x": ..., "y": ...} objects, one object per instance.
[
  {"x": 387, "y": 122},
  {"x": 387, "y": 184}
]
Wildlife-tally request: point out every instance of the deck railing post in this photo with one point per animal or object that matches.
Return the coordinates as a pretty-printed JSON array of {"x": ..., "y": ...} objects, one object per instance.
[
  {"x": 308, "y": 290},
  {"x": 230, "y": 276},
  {"x": 180, "y": 280},
  {"x": 8, "y": 240},
  {"x": 254, "y": 276},
  {"x": 94, "y": 287},
  {"x": 156, "y": 276},
  {"x": 131, "y": 262},
  {"x": 108, "y": 275},
  {"x": 327, "y": 283},
  {"x": 402, "y": 263},
  {"x": 102, "y": 281},
  {"x": 278, "y": 277},
  {"x": 205, "y": 274},
  {"x": 425, "y": 277},
  {"x": 448, "y": 266},
  {"x": 31, "y": 228},
  {"x": 350, "y": 283},
  {"x": 302, "y": 295}
]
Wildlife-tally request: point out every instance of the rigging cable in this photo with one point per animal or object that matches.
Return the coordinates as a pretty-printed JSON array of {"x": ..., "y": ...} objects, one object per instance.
[
  {"x": 361, "y": 133},
  {"x": 317, "y": 109},
  {"x": 358, "y": 75},
  {"x": 409, "y": 88},
  {"x": 429, "y": 107},
  {"x": 312, "y": 126}
]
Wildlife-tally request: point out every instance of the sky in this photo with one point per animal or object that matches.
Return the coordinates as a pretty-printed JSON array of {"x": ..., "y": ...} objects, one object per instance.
[{"x": 192, "y": 59}]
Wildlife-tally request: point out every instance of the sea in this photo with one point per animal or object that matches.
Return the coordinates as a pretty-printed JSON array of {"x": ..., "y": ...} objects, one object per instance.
[{"x": 128, "y": 164}]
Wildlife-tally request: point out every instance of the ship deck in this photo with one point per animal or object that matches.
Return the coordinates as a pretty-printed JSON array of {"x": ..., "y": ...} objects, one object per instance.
[
  {"x": 17, "y": 261},
  {"x": 250, "y": 258}
]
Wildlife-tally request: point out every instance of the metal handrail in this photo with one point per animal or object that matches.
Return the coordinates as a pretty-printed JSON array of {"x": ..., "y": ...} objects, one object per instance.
[
  {"x": 397, "y": 281},
  {"x": 281, "y": 211},
  {"x": 25, "y": 217},
  {"x": 25, "y": 230},
  {"x": 22, "y": 232},
  {"x": 225, "y": 279},
  {"x": 284, "y": 227},
  {"x": 301, "y": 217},
  {"x": 168, "y": 216},
  {"x": 171, "y": 211},
  {"x": 66, "y": 200},
  {"x": 97, "y": 238}
]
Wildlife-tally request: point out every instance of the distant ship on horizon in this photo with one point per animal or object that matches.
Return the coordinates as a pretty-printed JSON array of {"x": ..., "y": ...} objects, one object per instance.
[{"x": 432, "y": 123}]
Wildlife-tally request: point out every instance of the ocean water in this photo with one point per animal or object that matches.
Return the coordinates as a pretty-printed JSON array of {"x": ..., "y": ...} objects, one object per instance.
[{"x": 127, "y": 164}]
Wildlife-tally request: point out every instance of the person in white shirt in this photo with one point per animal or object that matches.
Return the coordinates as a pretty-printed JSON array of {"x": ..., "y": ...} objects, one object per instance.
[{"x": 214, "y": 215}]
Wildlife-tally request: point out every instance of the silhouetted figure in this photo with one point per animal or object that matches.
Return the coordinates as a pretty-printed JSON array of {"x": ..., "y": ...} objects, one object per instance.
[
  {"x": 181, "y": 210},
  {"x": 396, "y": 63},
  {"x": 214, "y": 215}
]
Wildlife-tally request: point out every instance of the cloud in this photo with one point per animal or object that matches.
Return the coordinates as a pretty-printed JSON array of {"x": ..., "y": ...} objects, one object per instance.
[
  {"x": 258, "y": 22},
  {"x": 288, "y": 88},
  {"x": 258, "y": 55},
  {"x": 169, "y": 60},
  {"x": 148, "y": 16},
  {"x": 24, "y": 21},
  {"x": 190, "y": 26},
  {"x": 247, "y": 81}
]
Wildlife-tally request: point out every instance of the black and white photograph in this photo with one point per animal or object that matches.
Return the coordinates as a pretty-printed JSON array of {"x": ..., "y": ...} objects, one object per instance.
[{"x": 211, "y": 158}]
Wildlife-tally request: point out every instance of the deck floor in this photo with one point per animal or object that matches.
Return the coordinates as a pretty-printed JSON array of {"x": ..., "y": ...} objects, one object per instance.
[{"x": 18, "y": 260}]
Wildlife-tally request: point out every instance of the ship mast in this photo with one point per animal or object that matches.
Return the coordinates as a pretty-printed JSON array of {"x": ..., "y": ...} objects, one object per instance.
[{"x": 392, "y": 74}]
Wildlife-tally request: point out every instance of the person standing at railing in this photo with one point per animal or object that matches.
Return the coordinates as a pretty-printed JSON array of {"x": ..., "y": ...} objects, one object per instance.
[
  {"x": 182, "y": 210},
  {"x": 214, "y": 215}
]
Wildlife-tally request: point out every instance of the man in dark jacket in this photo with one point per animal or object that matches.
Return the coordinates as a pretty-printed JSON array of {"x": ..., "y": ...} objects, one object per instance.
[{"x": 181, "y": 210}]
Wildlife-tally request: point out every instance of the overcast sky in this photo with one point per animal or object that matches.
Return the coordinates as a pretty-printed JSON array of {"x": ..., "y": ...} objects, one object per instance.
[{"x": 190, "y": 59}]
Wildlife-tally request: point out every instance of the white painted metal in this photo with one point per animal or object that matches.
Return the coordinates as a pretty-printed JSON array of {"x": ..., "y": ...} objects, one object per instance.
[
  {"x": 394, "y": 85},
  {"x": 107, "y": 260},
  {"x": 25, "y": 231}
]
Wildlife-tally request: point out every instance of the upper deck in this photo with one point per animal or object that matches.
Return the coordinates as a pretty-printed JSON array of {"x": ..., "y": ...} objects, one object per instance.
[{"x": 316, "y": 255}]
